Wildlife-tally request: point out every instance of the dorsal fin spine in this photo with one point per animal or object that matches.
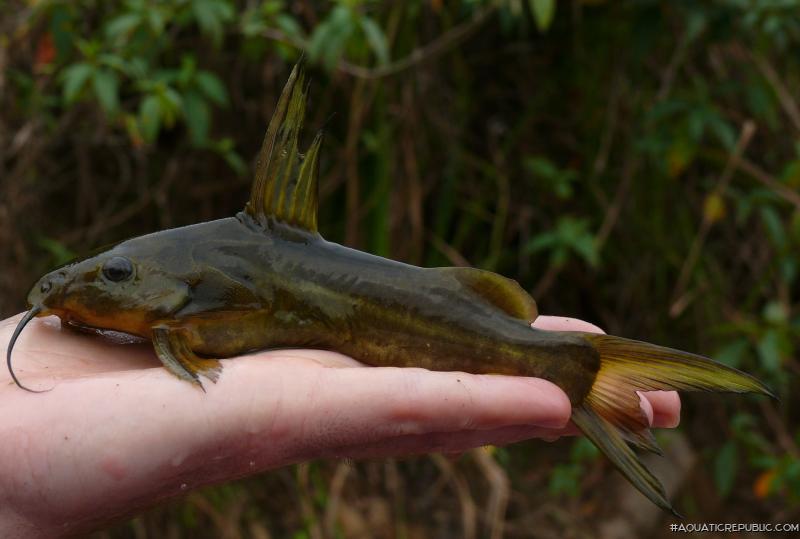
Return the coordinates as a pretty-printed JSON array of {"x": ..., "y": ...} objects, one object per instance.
[
  {"x": 306, "y": 183},
  {"x": 285, "y": 185},
  {"x": 290, "y": 133},
  {"x": 262, "y": 188}
]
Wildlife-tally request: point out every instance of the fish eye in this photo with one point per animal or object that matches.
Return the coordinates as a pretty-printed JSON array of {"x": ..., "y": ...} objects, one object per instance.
[{"x": 117, "y": 269}]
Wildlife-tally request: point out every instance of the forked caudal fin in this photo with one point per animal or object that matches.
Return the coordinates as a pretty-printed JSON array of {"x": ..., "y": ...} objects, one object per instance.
[{"x": 610, "y": 414}]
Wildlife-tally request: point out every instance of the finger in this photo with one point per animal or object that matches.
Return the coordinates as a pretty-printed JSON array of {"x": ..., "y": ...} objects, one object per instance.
[
  {"x": 560, "y": 323},
  {"x": 451, "y": 444},
  {"x": 416, "y": 401},
  {"x": 666, "y": 407},
  {"x": 646, "y": 406}
]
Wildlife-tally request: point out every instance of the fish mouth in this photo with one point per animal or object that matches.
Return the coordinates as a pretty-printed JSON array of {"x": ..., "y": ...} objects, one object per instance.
[{"x": 30, "y": 315}]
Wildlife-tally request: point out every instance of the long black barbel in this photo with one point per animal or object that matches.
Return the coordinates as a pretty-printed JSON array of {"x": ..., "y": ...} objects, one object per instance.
[{"x": 30, "y": 315}]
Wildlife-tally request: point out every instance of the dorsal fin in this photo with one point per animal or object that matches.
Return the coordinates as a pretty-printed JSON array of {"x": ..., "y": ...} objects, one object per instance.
[
  {"x": 505, "y": 294},
  {"x": 285, "y": 184}
]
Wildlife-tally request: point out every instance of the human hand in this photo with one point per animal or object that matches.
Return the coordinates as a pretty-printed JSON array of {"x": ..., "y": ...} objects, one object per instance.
[{"x": 118, "y": 433}]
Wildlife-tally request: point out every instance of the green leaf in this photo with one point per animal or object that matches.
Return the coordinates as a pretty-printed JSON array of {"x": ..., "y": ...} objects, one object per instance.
[
  {"x": 75, "y": 77},
  {"x": 330, "y": 37},
  {"x": 733, "y": 353},
  {"x": 565, "y": 479},
  {"x": 252, "y": 24},
  {"x": 289, "y": 26},
  {"x": 723, "y": 130},
  {"x": 156, "y": 19},
  {"x": 150, "y": 117},
  {"x": 584, "y": 246},
  {"x": 187, "y": 71},
  {"x": 106, "y": 88},
  {"x": 543, "y": 13},
  {"x": 376, "y": 39},
  {"x": 541, "y": 166},
  {"x": 198, "y": 118},
  {"x": 559, "y": 181},
  {"x": 60, "y": 253},
  {"x": 541, "y": 242},
  {"x": 211, "y": 16},
  {"x": 770, "y": 348},
  {"x": 114, "y": 61},
  {"x": 774, "y": 226},
  {"x": 63, "y": 28},
  {"x": 570, "y": 235},
  {"x": 212, "y": 87},
  {"x": 206, "y": 18},
  {"x": 225, "y": 148},
  {"x": 776, "y": 312},
  {"x": 574, "y": 233},
  {"x": 120, "y": 28},
  {"x": 726, "y": 466},
  {"x": 583, "y": 450},
  {"x": 235, "y": 161},
  {"x": 171, "y": 106}
]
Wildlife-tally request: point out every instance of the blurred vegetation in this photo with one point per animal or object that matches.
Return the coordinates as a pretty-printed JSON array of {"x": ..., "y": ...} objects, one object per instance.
[{"x": 635, "y": 164}]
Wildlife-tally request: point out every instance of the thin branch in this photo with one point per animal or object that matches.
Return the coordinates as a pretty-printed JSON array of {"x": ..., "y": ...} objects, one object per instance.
[
  {"x": 435, "y": 48},
  {"x": 679, "y": 302},
  {"x": 782, "y": 434},
  {"x": 760, "y": 175},
  {"x": 469, "y": 513},
  {"x": 784, "y": 95},
  {"x": 452, "y": 254},
  {"x": 499, "y": 490}
]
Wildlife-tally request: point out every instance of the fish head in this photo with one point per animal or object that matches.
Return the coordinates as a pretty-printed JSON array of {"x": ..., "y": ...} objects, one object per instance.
[{"x": 124, "y": 289}]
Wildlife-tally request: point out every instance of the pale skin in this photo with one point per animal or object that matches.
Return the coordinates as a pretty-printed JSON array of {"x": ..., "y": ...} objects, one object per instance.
[{"x": 117, "y": 433}]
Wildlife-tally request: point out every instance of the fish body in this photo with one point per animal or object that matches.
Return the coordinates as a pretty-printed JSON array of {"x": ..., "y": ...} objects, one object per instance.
[
  {"x": 231, "y": 288},
  {"x": 267, "y": 279}
]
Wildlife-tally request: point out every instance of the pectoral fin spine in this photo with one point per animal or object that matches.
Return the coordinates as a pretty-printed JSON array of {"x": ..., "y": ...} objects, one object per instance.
[{"x": 179, "y": 359}]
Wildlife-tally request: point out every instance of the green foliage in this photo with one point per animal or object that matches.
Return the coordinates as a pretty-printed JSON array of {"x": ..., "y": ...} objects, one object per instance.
[
  {"x": 726, "y": 466},
  {"x": 59, "y": 253},
  {"x": 558, "y": 181},
  {"x": 347, "y": 28},
  {"x": 128, "y": 68},
  {"x": 566, "y": 478},
  {"x": 571, "y": 236},
  {"x": 543, "y": 13}
]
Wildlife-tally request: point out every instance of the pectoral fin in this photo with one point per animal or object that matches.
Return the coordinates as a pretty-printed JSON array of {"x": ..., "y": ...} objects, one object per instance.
[
  {"x": 178, "y": 358},
  {"x": 285, "y": 184},
  {"x": 505, "y": 294}
]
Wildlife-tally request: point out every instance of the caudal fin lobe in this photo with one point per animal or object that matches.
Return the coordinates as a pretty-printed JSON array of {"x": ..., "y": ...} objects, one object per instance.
[{"x": 611, "y": 417}]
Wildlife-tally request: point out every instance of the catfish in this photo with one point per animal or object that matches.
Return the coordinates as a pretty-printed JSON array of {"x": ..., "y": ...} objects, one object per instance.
[{"x": 267, "y": 279}]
